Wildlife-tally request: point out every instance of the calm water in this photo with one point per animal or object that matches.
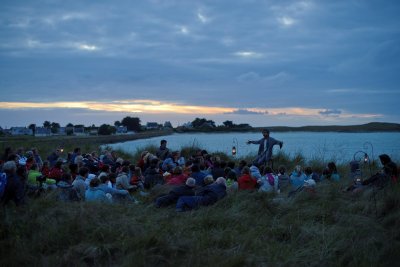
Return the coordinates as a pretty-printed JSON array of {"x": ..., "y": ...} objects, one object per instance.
[{"x": 340, "y": 147}]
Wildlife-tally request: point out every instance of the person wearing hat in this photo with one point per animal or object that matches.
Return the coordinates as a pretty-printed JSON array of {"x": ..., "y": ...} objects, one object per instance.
[
  {"x": 266, "y": 145},
  {"x": 176, "y": 192}
]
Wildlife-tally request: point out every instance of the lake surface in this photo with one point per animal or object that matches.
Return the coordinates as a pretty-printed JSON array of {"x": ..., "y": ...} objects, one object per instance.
[{"x": 339, "y": 147}]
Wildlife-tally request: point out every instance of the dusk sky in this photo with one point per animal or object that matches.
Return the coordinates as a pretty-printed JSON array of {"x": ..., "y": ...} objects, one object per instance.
[{"x": 266, "y": 63}]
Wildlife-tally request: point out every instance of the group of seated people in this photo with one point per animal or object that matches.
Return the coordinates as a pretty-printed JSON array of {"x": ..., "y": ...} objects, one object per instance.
[{"x": 198, "y": 180}]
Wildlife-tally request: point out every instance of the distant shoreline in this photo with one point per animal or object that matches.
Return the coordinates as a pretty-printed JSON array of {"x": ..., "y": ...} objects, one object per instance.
[{"x": 362, "y": 128}]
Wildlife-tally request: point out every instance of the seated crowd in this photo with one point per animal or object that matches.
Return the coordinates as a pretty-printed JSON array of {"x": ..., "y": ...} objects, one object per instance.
[{"x": 199, "y": 180}]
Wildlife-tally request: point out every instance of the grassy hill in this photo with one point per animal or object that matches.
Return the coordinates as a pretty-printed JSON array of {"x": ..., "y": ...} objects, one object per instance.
[{"x": 326, "y": 228}]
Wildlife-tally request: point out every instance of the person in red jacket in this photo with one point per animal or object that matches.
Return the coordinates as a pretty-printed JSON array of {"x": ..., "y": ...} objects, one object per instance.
[
  {"x": 245, "y": 181},
  {"x": 178, "y": 177},
  {"x": 56, "y": 172}
]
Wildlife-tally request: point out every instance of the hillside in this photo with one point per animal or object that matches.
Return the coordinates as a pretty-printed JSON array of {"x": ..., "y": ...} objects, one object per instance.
[{"x": 369, "y": 127}]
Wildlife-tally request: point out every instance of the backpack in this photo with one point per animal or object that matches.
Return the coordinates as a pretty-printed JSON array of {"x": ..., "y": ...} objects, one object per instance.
[
  {"x": 271, "y": 179},
  {"x": 3, "y": 183}
]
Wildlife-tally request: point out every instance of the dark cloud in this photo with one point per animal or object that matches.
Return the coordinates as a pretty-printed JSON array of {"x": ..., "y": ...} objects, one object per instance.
[
  {"x": 224, "y": 53},
  {"x": 246, "y": 112}
]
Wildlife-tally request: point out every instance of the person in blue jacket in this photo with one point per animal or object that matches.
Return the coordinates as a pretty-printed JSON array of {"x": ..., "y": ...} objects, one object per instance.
[
  {"x": 94, "y": 193},
  {"x": 205, "y": 197}
]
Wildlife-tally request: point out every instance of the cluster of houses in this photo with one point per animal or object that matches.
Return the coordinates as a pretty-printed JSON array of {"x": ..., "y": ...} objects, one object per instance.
[{"x": 78, "y": 131}]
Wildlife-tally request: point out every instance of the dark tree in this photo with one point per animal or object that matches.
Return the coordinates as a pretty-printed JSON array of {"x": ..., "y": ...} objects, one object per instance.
[
  {"x": 55, "y": 127},
  {"x": 47, "y": 124},
  {"x": 228, "y": 124},
  {"x": 106, "y": 129},
  {"x": 117, "y": 123},
  {"x": 198, "y": 122},
  {"x": 131, "y": 123},
  {"x": 33, "y": 128}
]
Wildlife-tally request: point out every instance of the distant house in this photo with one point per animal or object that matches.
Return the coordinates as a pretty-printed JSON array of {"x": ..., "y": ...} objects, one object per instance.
[
  {"x": 167, "y": 124},
  {"x": 207, "y": 125},
  {"x": 121, "y": 130},
  {"x": 94, "y": 131},
  {"x": 41, "y": 131},
  {"x": 79, "y": 130},
  {"x": 152, "y": 125},
  {"x": 62, "y": 131},
  {"x": 20, "y": 131},
  {"x": 187, "y": 125}
]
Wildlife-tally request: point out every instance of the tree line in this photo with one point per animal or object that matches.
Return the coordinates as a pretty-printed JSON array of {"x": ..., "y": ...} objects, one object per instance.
[{"x": 133, "y": 124}]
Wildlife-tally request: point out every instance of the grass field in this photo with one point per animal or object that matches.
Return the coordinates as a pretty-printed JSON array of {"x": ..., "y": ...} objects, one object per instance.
[{"x": 325, "y": 228}]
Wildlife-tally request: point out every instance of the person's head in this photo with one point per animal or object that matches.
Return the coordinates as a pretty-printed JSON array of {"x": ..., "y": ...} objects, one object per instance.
[
  {"x": 112, "y": 177},
  {"x": 105, "y": 168},
  {"x": 77, "y": 150},
  {"x": 265, "y": 133},
  {"x": 191, "y": 182},
  {"x": 195, "y": 168},
  {"x": 95, "y": 182},
  {"x": 282, "y": 169},
  {"x": 125, "y": 169},
  {"x": 385, "y": 159},
  {"x": 226, "y": 171},
  {"x": 34, "y": 167},
  {"x": 246, "y": 170},
  {"x": 332, "y": 167},
  {"x": 83, "y": 172},
  {"x": 104, "y": 178},
  {"x": 163, "y": 143},
  {"x": 298, "y": 169},
  {"x": 154, "y": 163},
  {"x": 78, "y": 160},
  {"x": 231, "y": 164},
  {"x": 208, "y": 180},
  {"x": 73, "y": 168},
  {"x": 176, "y": 154},
  {"x": 268, "y": 169},
  {"x": 231, "y": 176},
  {"x": 178, "y": 170},
  {"x": 242, "y": 163},
  {"x": 58, "y": 164},
  {"x": 10, "y": 167},
  {"x": 308, "y": 170}
]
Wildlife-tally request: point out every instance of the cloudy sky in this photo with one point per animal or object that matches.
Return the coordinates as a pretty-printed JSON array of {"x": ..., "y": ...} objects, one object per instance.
[{"x": 265, "y": 63}]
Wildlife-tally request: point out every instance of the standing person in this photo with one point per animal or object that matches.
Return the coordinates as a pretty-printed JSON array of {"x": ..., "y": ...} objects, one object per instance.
[
  {"x": 163, "y": 152},
  {"x": 15, "y": 187},
  {"x": 37, "y": 158},
  {"x": 79, "y": 183},
  {"x": 266, "y": 145}
]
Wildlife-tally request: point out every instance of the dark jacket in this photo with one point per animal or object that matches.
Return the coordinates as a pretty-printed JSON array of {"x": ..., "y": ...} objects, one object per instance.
[
  {"x": 67, "y": 192},
  {"x": 15, "y": 190},
  {"x": 152, "y": 177},
  {"x": 199, "y": 177},
  {"x": 173, "y": 195},
  {"x": 271, "y": 142},
  {"x": 212, "y": 193}
]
